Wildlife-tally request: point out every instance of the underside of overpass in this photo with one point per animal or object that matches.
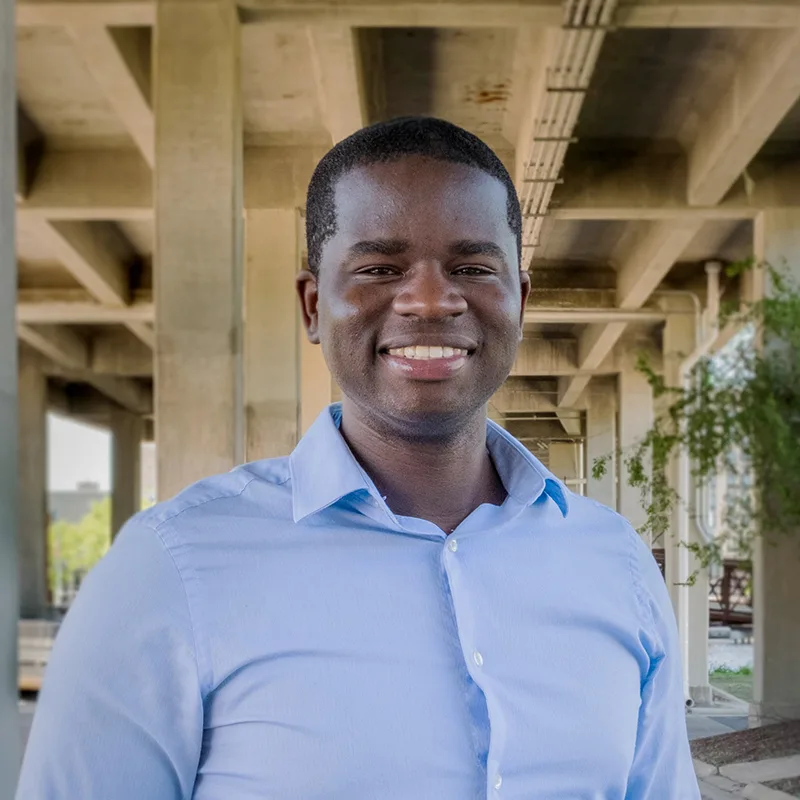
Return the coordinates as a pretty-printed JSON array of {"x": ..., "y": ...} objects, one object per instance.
[{"x": 163, "y": 153}]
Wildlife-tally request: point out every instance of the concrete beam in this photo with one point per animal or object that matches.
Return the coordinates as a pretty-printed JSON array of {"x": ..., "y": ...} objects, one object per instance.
[
  {"x": 144, "y": 332},
  {"x": 63, "y": 346},
  {"x": 90, "y": 185},
  {"x": 117, "y": 185},
  {"x": 523, "y": 395},
  {"x": 121, "y": 13},
  {"x": 571, "y": 424},
  {"x": 642, "y": 14},
  {"x": 64, "y": 306},
  {"x": 103, "y": 185},
  {"x": 389, "y": 14},
  {"x": 126, "y": 392},
  {"x": 117, "y": 353},
  {"x": 336, "y": 62},
  {"x": 604, "y": 187},
  {"x": 765, "y": 87},
  {"x": 588, "y": 316},
  {"x": 539, "y": 356},
  {"x": 119, "y": 60},
  {"x": 710, "y": 14},
  {"x": 384, "y": 13},
  {"x": 89, "y": 259},
  {"x": 76, "y": 307}
]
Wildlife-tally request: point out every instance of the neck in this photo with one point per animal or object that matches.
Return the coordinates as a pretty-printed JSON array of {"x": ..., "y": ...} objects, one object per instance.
[{"x": 441, "y": 478}]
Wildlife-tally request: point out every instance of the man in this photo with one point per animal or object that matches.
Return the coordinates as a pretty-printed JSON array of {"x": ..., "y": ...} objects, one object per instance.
[{"x": 409, "y": 607}]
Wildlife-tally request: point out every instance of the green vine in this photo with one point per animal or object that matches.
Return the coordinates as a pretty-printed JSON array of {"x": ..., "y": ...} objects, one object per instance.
[{"x": 738, "y": 418}]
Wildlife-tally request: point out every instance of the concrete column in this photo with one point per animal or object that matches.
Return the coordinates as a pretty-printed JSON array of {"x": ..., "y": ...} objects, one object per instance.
[
  {"x": 689, "y": 602},
  {"x": 635, "y": 420},
  {"x": 126, "y": 467},
  {"x": 9, "y": 558},
  {"x": 271, "y": 333},
  {"x": 198, "y": 252},
  {"x": 776, "y": 562},
  {"x": 601, "y": 442},
  {"x": 316, "y": 388},
  {"x": 32, "y": 496}
]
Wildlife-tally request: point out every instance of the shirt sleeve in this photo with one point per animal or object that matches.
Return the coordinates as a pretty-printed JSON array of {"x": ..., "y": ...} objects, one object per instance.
[
  {"x": 662, "y": 764},
  {"x": 120, "y": 714}
]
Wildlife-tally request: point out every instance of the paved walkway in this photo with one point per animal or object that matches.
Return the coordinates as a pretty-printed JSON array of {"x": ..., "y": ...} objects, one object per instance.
[{"x": 754, "y": 780}]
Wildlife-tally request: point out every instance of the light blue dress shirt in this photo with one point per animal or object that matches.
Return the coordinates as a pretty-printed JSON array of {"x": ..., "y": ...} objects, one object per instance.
[{"x": 277, "y": 633}]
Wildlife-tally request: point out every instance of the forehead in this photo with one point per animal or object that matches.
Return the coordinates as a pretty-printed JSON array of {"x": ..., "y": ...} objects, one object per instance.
[{"x": 415, "y": 195}]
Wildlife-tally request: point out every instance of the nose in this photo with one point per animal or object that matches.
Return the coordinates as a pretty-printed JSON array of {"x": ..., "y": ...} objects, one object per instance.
[{"x": 427, "y": 293}]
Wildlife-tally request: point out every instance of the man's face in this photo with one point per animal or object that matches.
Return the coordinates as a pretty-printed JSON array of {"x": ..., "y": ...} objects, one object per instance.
[{"x": 419, "y": 300}]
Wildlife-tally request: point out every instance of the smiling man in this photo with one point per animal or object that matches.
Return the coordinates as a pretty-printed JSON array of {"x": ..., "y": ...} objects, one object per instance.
[{"x": 409, "y": 607}]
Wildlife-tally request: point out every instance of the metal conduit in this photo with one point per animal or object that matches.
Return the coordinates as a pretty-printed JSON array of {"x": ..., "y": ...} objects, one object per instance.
[{"x": 583, "y": 31}]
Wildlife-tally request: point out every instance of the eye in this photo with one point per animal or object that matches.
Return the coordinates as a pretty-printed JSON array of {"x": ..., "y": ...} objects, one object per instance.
[
  {"x": 473, "y": 270},
  {"x": 379, "y": 271}
]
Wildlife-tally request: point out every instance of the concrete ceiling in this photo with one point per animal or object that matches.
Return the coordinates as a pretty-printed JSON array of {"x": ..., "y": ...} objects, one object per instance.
[{"x": 680, "y": 100}]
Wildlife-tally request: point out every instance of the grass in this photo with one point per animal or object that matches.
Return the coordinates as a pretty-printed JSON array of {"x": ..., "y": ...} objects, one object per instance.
[{"x": 737, "y": 682}]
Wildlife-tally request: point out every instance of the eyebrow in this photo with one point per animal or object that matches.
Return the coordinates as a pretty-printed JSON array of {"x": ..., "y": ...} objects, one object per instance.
[
  {"x": 380, "y": 247},
  {"x": 469, "y": 247}
]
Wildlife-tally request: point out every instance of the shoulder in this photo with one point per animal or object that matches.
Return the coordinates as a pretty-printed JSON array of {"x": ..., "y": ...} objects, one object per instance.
[{"x": 260, "y": 487}]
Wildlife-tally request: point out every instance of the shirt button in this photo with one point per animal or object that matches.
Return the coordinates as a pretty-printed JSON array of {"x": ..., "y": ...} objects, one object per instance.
[
  {"x": 452, "y": 545},
  {"x": 477, "y": 658},
  {"x": 498, "y": 781}
]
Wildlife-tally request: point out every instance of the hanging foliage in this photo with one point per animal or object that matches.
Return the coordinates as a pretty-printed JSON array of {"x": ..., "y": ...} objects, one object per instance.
[{"x": 738, "y": 419}]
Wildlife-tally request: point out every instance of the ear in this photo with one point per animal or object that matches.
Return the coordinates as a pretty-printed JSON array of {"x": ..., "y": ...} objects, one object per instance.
[
  {"x": 524, "y": 291},
  {"x": 308, "y": 292}
]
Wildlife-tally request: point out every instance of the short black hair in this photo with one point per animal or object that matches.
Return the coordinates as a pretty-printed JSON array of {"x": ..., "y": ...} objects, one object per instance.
[{"x": 387, "y": 141}]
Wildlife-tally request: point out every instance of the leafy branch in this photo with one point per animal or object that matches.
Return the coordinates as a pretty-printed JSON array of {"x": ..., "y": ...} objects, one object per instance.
[{"x": 738, "y": 419}]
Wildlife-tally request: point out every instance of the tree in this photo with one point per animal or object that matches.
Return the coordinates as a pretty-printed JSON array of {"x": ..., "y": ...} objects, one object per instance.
[{"x": 76, "y": 548}]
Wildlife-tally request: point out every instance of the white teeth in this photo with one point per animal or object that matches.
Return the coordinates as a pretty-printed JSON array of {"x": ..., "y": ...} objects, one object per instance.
[{"x": 426, "y": 353}]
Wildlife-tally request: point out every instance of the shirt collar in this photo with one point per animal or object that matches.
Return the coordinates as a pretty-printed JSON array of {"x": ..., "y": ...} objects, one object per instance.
[{"x": 324, "y": 470}]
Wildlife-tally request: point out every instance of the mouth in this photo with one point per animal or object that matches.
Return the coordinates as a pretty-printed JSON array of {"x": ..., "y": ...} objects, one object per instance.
[
  {"x": 427, "y": 352},
  {"x": 425, "y": 362}
]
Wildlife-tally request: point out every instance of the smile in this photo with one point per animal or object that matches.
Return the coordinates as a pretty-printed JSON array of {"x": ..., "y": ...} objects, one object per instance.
[{"x": 427, "y": 353}]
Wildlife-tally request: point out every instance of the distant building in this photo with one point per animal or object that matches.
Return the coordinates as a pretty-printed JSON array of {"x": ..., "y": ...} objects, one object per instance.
[{"x": 74, "y": 504}]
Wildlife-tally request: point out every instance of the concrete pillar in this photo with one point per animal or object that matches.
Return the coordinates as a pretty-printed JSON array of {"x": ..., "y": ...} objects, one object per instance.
[
  {"x": 32, "y": 497},
  {"x": 271, "y": 333},
  {"x": 776, "y": 562},
  {"x": 689, "y": 602},
  {"x": 9, "y": 558},
  {"x": 601, "y": 442},
  {"x": 126, "y": 467},
  {"x": 316, "y": 388},
  {"x": 635, "y": 420},
  {"x": 198, "y": 249}
]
